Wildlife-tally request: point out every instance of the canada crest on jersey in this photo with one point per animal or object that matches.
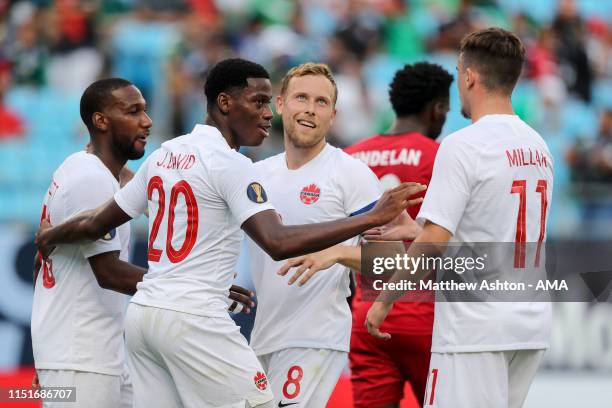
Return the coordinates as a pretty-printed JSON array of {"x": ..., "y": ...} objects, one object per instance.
[
  {"x": 310, "y": 194},
  {"x": 260, "y": 380}
]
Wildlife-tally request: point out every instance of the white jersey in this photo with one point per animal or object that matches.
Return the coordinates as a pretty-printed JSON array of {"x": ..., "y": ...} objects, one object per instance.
[
  {"x": 77, "y": 325},
  {"x": 488, "y": 177},
  {"x": 198, "y": 191},
  {"x": 331, "y": 186}
]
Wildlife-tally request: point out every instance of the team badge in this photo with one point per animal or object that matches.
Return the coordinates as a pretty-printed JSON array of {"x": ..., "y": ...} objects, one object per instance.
[
  {"x": 310, "y": 194},
  {"x": 256, "y": 193},
  {"x": 260, "y": 380},
  {"x": 110, "y": 235}
]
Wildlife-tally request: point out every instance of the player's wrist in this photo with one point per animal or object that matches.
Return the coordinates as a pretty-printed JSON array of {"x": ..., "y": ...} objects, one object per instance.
[
  {"x": 371, "y": 220},
  {"x": 341, "y": 254}
]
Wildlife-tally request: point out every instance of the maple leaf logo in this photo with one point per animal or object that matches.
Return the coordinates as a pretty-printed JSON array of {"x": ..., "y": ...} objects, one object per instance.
[
  {"x": 310, "y": 194},
  {"x": 260, "y": 380}
]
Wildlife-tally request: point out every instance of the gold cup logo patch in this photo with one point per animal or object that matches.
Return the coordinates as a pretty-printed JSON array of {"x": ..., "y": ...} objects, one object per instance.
[{"x": 256, "y": 193}]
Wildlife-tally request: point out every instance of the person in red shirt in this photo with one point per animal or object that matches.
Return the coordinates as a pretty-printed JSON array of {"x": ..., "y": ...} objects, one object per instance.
[
  {"x": 419, "y": 96},
  {"x": 11, "y": 124}
]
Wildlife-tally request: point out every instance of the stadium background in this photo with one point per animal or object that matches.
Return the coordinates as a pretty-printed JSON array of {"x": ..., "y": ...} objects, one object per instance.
[{"x": 50, "y": 50}]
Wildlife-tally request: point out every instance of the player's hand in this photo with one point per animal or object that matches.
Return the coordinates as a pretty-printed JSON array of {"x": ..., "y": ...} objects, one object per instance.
[
  {"x": 35, "y": 382},
  {"x": 45, "y": 250},
  {"x": 375, "y": 317},
  {"x": 308, "y": 265},
  {"x": 242, "y": 300},
  {"x": 394, "y": 201},
  {"x": 406, "y": 229}
]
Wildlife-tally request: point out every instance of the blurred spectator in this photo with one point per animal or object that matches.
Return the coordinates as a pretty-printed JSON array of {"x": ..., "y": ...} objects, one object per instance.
[
  {"x": 402, "y": 38},
  {"x": 571, "y": 50},
  {"x": 591, "y": 165},
  {"x": 543, "y": 68},
  {"x": 75, "y": 59},
  {"x": 592, "y": 162},
  {"x": 27, "y": 51},
  {"x": 599, "y": 47},
  {"x": 360, "y": 29},
  {"x": 200, "y": 48},
  {"x": 354, "y": 117},
  {"x": 452, "y": 31},
  {"x": 11, "y": 125}
]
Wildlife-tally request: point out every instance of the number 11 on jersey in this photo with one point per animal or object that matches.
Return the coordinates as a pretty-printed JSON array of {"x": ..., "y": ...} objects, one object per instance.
[{"x": 520, "y": 187}]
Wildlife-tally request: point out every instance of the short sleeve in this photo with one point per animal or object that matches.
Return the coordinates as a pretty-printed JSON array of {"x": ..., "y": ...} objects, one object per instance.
[
  {"x": 80, "y": 196},
  {"x": 240, "y": 183},
  {"x": 132, "y": 198},
  {"x": 359, "y": 185},
  {"x": 448, "y": 192}
]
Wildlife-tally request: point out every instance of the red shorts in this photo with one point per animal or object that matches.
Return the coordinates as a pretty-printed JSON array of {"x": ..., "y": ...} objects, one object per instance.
[{"x": 379, "y": 368}]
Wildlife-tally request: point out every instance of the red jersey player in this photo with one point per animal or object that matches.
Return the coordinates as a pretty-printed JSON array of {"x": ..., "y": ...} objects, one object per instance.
[{"x": 419, "y": 95}]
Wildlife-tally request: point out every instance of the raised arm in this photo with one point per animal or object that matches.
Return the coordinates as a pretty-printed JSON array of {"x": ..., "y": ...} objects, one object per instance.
[
  {"x": 281, "y": 241},
  {"x": 403, "y": 228},
  {"x": 309, "y": 265}
]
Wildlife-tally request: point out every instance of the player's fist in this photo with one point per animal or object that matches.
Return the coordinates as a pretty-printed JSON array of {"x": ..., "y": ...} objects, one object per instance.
[{"x": 394, "y": 201}]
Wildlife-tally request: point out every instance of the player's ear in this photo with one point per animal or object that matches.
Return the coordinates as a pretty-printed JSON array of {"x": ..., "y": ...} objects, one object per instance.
[
  {"x": 470, "y": 78},
  {"x": 333, "y": 116},
  {"x": 278, "y": 102},
  {"x": 100, "y": 121},
  {"x": 439, "y": 110},
  {"x": 224, "y": 102}
]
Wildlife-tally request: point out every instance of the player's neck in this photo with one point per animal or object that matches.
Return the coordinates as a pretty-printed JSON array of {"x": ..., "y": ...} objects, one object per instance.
[
  {"x": 224, "y": 130},
  {"x": 407, "y": 124},
  {"x": 491, "y": 105},
  {"x": 297, "y": 157},
  {"x": 109, "y": 158}
]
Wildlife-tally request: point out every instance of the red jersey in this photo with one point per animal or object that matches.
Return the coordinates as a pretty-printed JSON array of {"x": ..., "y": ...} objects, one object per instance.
[{"x": 395, "y": 159}]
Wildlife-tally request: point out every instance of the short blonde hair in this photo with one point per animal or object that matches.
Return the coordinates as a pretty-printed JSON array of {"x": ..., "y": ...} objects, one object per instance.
[{"x": 309, "y": 68}]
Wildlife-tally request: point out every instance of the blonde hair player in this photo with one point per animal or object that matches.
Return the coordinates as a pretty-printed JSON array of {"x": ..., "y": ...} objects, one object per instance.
[{"x": 301, "y": 335}]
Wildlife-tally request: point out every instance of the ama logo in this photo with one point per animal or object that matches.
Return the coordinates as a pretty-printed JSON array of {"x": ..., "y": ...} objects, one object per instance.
[
  {"x": 310, "y": 194},
  {"x": 260, "y": 380}
]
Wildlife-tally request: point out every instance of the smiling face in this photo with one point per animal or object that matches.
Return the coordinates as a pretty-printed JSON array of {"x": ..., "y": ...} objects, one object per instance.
[
  {"x": 249, "y": 113},
  {"x": 307, "y": 109},
  {"x": 128, "y": 122}
]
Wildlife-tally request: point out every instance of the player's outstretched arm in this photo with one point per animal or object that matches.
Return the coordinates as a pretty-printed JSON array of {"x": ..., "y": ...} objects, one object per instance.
[
  {"x": 88, "y": 225},
  {"x": 282, "y": 242},
  {"x": 308, "y": 265},
  {"x": 403, "y": 228}
]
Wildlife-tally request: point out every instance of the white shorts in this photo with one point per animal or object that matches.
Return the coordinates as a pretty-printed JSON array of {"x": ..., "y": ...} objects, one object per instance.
[
  {"x": 498, "y": 379},
  {"x": 93, "y": 390},
  {"x": 303, "y": 377},
  {"x": 185, "y": 360}
]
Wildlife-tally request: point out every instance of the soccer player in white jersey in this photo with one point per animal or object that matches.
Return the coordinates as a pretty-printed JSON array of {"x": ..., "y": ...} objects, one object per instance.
[
  {"x": 183, "y": 348},
  {"x": 77, "y": 326},
  {"x": 484, "y": 354},
  {"x": 301, "y": 335}
]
